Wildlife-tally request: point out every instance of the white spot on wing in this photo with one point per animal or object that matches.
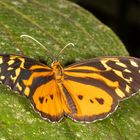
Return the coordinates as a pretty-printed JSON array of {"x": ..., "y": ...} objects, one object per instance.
[
  {"x": 119, "y": 93},
  {"x": 133, "y": 63},
  {"x": 11, "y": 62},
  {"x": 126, "y": 70},
  {"x": 121, "y": 64},
  {"x": 10, "y": 68},
  {"x": 127, "y": 88}
]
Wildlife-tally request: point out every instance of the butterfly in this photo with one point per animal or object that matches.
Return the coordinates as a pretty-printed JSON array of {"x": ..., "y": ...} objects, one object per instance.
[{"x": 85, "y": 91}]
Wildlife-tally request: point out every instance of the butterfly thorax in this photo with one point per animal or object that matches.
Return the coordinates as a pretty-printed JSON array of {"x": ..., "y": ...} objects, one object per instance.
[{"x": 58, "y": 71}]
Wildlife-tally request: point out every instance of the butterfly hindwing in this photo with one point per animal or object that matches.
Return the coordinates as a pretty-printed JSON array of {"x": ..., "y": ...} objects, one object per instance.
[
  {"x": 33, "y": 80},
  {"x": 96, "y": 86},
  {"x": 47, "y": 101}
]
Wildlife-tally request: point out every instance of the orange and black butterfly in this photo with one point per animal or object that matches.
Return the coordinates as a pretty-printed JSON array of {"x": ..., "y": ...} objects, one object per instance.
[{"x": 84, "y": 91}]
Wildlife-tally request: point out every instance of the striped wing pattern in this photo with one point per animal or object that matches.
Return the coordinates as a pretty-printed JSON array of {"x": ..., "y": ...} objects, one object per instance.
[
  {"x": 33, "y": 80},
  {"x": 97, "y": 85}
]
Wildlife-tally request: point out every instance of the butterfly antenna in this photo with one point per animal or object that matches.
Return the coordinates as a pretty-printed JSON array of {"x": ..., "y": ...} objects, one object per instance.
[
  {"x": 65, "y": 48},
  {"x": 28, "y": 36}
]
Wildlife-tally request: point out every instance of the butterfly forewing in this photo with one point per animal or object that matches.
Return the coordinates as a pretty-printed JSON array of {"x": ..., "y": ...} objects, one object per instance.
[{"x": 96, "y": 86}]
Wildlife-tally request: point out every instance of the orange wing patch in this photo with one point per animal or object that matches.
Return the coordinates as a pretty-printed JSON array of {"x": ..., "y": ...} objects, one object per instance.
[
  {"x": 47, "y": 100},
  {"x": 96, "y": 104},
  {"x": 91, "y": 102}
]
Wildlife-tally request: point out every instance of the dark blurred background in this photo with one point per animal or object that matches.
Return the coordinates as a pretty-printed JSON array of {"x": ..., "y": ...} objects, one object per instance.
[{"x": 122, "y": 16}]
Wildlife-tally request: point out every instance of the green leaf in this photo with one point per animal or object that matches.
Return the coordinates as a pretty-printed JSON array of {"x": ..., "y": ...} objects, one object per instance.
[{"x": 56, "y": 23}]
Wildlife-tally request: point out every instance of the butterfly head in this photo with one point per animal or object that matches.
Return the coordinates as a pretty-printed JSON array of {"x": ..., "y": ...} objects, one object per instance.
[{"x": 55, "y": 62}]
